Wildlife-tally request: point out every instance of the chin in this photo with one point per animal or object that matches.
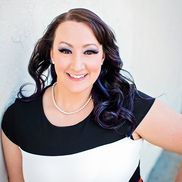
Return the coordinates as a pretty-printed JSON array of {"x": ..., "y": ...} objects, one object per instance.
[{"x": 78, "y": 89}]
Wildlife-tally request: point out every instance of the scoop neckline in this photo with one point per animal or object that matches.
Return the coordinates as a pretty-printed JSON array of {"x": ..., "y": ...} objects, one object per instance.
[{"x": 82, "y": 122}]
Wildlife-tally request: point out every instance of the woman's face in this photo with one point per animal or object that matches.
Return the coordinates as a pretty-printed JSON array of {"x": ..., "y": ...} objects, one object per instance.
[{"x": 77, "y": 56}]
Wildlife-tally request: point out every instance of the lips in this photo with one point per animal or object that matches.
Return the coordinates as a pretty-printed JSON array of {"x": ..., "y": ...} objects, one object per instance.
[{"x": 77, "y": 77}]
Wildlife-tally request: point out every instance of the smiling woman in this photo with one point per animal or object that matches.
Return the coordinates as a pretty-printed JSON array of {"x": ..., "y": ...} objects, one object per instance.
[
  {"x": 89, "y": 123},
  {"x": 76, "y": 58}
]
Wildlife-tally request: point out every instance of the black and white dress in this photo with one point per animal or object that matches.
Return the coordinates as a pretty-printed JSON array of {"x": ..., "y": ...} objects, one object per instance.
[{"x": 84, "y": 152}]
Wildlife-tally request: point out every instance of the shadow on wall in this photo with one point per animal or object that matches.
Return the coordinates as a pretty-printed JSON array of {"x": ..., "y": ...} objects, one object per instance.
[{"x": 168, "y": 168}]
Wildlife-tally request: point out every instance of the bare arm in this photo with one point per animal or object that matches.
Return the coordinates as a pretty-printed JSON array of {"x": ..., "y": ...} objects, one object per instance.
[
  {"x": 162, "y": 126},
  {"x": 13, "y": 160}
]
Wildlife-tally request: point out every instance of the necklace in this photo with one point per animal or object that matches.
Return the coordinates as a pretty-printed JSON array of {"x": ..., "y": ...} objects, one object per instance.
[{"x": 62, "y": 111}]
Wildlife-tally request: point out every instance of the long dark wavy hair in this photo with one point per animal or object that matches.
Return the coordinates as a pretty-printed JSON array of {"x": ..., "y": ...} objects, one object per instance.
[{"x": 112, "y": 93}]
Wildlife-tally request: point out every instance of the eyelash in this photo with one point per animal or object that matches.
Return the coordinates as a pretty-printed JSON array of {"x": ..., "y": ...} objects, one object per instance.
[
  {"x": 88, "y": 52},
  {"x": 64, "y": 51}
]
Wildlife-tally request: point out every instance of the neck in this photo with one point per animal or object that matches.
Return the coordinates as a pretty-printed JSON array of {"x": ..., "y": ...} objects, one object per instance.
[{"x": 70, "y": 101}]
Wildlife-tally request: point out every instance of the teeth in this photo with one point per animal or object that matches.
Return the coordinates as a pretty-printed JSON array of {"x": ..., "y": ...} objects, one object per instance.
[{"x": 76, "y": 76}]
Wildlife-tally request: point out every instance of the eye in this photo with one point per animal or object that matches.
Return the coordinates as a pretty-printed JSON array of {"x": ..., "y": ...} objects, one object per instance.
[
  {"x": 64, "y": 51},
  {"x": 90, "y": 52}
]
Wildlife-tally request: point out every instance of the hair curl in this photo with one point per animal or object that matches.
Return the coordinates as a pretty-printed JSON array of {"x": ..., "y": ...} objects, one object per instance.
[{"x": 112, "y": 93}]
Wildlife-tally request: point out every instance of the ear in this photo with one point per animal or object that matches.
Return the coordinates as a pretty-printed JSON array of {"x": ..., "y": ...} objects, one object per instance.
[
  {"x": 51, "y": 54},
  {"x": 103, "y": 57},
  {"x": 51, "y": 57}
]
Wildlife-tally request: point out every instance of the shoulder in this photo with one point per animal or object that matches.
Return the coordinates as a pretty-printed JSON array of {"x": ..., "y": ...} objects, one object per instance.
[
  {"x": 142, "y": 99},
  {"x": 10, "y": 111},
  {"x": 142, "y": 104},
  {"x": 162, "y": 126},
  {"x": 20, "y": 108},
  {"x": 8, "y": 121},
  {"x": 18, "y": 116}
]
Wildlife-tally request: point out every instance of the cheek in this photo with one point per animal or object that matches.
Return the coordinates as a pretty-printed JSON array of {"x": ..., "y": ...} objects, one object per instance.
[
  {"x": 61, "y": 64},
  {"x": 94, "y": 69},
  {"x": 94, "y": 65}
]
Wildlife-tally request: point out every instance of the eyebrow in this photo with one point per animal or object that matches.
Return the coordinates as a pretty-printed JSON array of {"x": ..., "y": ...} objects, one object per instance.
[{"x": 63, "y": 42}]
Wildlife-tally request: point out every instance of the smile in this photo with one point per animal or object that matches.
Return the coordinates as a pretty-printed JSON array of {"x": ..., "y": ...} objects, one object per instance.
[{"x": 76, "y": 77}]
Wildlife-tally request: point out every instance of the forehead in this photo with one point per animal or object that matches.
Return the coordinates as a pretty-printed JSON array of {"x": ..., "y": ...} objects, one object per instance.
[{"x": 75, "y": 32}]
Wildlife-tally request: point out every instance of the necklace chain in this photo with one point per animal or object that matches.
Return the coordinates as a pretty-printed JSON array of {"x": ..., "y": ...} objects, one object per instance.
[{"x": 62, "y": 111}]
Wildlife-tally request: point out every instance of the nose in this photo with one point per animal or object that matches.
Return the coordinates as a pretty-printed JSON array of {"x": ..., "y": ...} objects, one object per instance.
[{"x": 77, "y": 63}]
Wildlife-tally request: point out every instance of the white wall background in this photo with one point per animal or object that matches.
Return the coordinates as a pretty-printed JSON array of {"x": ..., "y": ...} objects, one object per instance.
[{"x": 148, "y": 33}]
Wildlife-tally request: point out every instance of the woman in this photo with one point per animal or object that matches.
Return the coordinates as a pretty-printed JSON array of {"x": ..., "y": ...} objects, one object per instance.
[{"x": 88, "y": 124}]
